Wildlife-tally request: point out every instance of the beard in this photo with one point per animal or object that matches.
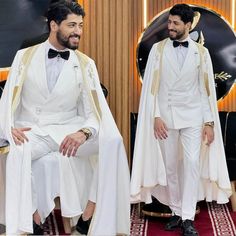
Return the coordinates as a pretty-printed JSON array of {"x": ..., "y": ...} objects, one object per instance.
[
  {"x": 178, "y": 35},
  {"x": 65, "y": 41}
]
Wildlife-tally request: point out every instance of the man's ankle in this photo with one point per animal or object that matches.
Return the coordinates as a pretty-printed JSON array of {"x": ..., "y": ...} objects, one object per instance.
[
  {"x": 86, "y": 217},
  {"x": 36, "y": 218}
]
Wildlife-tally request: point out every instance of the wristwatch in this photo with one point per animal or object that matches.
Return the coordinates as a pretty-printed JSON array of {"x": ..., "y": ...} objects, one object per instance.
[
  {"x": 86, "y": 132},
  {"x": 210, "y": 123}
]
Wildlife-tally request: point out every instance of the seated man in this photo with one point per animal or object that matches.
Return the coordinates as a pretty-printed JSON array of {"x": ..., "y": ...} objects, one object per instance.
[{"x": 53, "y": 108}]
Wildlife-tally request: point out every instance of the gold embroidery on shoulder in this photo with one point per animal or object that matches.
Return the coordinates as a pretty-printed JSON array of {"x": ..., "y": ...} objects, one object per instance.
[
  {"x": 92, "y": 77},
  {"x": 96, "y": 101},
  {"x": 27, "y": 56},
  {"x": 157, "y": 72},
  {"x": 202, "y": 73},
  {"x": 84, "y": 60}
]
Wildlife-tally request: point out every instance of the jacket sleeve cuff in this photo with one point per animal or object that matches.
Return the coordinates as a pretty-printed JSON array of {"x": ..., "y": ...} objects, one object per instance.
[
  {"x": 157, "y": 111},
  {"x": 208, "y": 118}
]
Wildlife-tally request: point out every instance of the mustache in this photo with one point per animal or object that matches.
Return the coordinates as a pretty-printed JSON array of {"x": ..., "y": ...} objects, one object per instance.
[{"x": 75, "y": 35}]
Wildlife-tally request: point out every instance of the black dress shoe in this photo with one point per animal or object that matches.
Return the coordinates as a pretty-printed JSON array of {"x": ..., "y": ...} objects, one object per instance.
[
  {"x": 82, "y": 226},
  {"x": 156, "y": 209},
  {"x": 37, "y": 229},
  {"x": 174, "y": 223},
  {"x": 188, "y": 228}
]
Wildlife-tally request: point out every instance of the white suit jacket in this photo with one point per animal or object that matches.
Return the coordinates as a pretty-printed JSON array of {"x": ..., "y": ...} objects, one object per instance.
[
  {"x": 57, "y": 113},
  {"x": 182, "y": 99}
]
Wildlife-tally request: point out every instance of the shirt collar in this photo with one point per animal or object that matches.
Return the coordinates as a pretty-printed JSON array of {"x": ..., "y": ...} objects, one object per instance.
[
  {"x": 49, "y": 45},
  {"x": 186, "y": 39}
]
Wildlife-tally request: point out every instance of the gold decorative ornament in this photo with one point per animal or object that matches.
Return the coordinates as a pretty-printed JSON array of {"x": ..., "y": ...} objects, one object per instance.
[{"x": 223, "y": 76}]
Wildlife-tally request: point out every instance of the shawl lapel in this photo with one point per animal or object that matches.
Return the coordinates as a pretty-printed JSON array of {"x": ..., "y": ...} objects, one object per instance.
[
  {"x": 171, "y": 56},
  {"x": 190, "y": 59},
  {"x": 38, "y": 70}
]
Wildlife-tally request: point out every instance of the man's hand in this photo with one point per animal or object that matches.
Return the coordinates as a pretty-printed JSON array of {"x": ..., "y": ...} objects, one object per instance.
[
  {"x": 160, "y": 129},
  {"x": 18, "y": 135},
  {"x": 208, "y": 134},
  {"x": 71, "y": 143}
]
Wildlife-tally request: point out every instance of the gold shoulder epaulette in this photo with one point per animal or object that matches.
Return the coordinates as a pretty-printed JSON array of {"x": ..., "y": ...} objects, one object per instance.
[
  {"x": 161, "y": 44},
  {"x": 83, "y": 58}
]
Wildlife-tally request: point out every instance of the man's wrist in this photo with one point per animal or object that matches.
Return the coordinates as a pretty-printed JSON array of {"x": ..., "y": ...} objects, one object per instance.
[
  {"x": 210, "y": 124},
  {"x": 87, "y": 132}
]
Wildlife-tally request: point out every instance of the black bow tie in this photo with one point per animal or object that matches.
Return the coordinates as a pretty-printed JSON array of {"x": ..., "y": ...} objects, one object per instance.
[
  {"x": 177, "y": 43},
  {"x": 53, "y": 53}
]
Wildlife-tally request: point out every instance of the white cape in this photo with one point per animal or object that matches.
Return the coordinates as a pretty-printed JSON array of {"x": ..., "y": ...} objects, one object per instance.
[
  {"x": 112, "y": 211},
  {"x": 148, "y": 171}
]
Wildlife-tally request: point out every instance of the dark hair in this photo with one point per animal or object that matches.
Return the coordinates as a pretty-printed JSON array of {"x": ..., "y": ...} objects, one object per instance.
[
  {"x": 60, "y": 10},
  {"x": 184, "y": 11}
]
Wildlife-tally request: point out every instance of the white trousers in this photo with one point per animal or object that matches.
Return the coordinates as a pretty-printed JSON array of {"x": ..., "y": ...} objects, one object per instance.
[
  {"x": 182, "y": 175},
  {"x": 46, "y": 174}
]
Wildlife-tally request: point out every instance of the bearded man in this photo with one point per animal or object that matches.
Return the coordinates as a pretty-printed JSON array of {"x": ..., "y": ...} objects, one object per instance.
[
  {"x": 179, "y": 155},
  {"x": 60, "y": 129}
]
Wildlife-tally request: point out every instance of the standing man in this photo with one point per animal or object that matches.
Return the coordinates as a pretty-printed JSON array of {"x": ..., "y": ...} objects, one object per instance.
[
  {"x": 179, "y": 156},
  {"x": 55, "y": 117}
]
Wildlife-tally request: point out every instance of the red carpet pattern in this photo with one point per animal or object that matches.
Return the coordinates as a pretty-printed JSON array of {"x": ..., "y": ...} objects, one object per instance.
[
  {"x": 213, "y": 220},
  {"x": 137, "y": 223},
  {"x": 50, "y": 226},
  {"x": 222, "y": 222},
  {"x": 53, "y": 224}
]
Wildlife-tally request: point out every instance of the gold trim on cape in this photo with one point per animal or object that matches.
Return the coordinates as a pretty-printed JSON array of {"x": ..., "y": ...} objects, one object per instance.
[
  {"x": 27, "y": 56},
  {"x": 155, "y": 82},
  {"x": 4, "y": 150},
  {"x": 206, "y": 83},
  {"x": 157, "y": 73},
  {"x": 83, "y": 59},
  {"x": 203, "y": 74}
]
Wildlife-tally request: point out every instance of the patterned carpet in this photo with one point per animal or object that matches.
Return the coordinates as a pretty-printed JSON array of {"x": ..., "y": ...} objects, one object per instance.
[
  {"x": 53, "y": 224},
  {"x": 213, "y": 220}
]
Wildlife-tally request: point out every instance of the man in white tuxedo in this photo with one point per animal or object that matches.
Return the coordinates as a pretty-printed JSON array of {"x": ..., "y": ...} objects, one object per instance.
[
  {"x": 54, "y": 109},
  {"x": 178, "y": 95}
]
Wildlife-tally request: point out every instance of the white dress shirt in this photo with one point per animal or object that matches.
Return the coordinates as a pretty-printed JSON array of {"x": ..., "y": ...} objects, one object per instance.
[
  {"x": 181, "y": 53},
  {"x": 53, "y": 66}
]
